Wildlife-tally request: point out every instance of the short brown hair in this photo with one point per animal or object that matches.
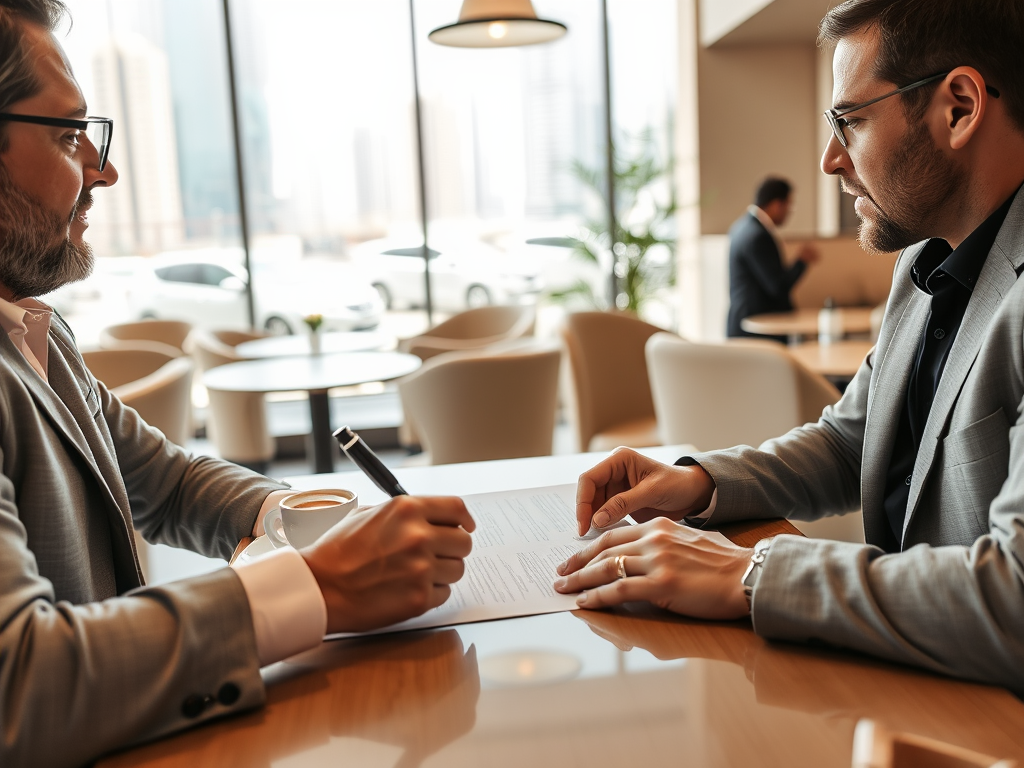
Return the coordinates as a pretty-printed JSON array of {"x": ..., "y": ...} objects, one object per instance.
[
  {"x": 17, "y": 80},
  {"x": 919, "y": 38}
]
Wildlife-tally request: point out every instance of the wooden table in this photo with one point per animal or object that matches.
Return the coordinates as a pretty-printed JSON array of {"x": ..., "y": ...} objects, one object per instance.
[
  {"x": 589, "y": 689},
  {"x": 804, "y": 322},
  {"x": 838, "y": 360},
  {"x": 314, "y": 374},
  {"x": 298, "y": 344}
]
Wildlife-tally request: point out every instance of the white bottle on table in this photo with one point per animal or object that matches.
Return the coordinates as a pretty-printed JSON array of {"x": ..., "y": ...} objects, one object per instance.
[{"x": 830, "y": 323}]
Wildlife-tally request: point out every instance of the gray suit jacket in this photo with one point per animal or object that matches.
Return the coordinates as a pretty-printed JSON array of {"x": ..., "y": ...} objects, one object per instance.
[
  {"x": 953, "y": 600},
  {"x": 82, "y": 673}
]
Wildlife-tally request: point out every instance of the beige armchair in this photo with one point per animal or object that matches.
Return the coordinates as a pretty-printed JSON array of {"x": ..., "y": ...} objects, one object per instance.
[
  {"x": 720, "y": 395},
  {"x": 161, "y": 333},
  {"x": 472, "y": 329},
  {"x": 157, "y": 385},
  {"x": 236, "y": 422},
  {"x": 492, "y": 404},
  {"x": 613, "y": 404}
]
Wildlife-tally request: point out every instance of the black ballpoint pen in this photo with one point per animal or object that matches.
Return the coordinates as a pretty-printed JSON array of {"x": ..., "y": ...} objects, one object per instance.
[{"x": 354, "y": 447}]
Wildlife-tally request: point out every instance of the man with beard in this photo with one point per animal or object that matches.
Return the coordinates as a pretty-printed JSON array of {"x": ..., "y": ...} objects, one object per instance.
[
  {"x": 928, "y": 132},
  {"x": 90, "y": 659}
]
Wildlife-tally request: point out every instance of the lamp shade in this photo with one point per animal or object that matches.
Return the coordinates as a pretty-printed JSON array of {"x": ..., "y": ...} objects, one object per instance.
[{"x": 497, "y": 24}]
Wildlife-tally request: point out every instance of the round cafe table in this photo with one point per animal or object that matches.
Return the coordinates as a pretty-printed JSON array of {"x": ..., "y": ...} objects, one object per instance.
[
  {"x": 804, "y": 322},
  {"x": 298, "y": 344},
  {"x": 314, "y": 374}
]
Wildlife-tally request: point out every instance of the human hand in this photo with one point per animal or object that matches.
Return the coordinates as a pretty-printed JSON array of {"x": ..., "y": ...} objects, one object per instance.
[
  {"x": 388, "y": 563},
  {"x": 675, "y": 567},
  {"x": 627, "y": 483},
  {"x": 809, "y": 255}
]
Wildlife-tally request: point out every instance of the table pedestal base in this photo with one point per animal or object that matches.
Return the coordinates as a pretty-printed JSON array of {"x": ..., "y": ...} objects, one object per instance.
[{"x": 323, "y": 440}]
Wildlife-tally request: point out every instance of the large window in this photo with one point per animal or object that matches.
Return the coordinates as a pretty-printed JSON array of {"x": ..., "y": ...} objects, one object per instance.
[{"x": 326, "y": 104}]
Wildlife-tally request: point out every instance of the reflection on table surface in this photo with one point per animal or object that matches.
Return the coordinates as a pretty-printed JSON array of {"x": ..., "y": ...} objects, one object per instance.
[{"x": 632, "y": 687}]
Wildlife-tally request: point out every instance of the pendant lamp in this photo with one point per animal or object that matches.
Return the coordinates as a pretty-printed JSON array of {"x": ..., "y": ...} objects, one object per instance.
[{"x": 497, "y": 24}]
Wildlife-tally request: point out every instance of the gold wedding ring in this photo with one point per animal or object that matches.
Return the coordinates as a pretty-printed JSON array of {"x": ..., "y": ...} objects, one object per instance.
[{"x": 620, "y": 566}]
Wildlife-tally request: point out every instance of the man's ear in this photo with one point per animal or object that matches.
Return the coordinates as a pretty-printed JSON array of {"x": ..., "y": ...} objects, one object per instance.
[{"x": 964, "y": 99}]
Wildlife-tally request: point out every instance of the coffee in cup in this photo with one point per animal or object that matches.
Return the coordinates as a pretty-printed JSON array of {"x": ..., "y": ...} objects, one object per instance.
[{"x": 302, "y": 518}]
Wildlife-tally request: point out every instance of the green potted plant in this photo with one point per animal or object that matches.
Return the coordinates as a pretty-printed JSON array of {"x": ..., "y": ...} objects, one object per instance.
[{"x": 646, "y": 207}]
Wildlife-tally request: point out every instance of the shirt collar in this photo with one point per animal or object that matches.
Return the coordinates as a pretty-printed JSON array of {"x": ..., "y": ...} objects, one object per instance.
[
  {"x": 764, "y": 218},
  {"x": 13, "y": 314},
  {"x": 965, "y": 262}
]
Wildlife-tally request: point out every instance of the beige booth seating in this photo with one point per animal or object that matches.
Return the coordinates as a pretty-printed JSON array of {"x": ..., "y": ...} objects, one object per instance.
[
  {"x": 481, "y": 405},
  {"x": 236, "y": 422},
  {"x": 157, "y": 385},
  {"x": 612, "y": 394},
  {"x": 170, "y": 333},
  {"x": 472, "y": 329},
  {"x": 846, "y": 273}
]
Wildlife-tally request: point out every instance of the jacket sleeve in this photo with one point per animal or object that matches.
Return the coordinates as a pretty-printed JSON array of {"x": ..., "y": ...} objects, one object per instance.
[
  {"x": 810, "y": 472},
  {"x": 955, "y": 610},
  {"x": 764, "y": 263},
  {"x": 193, "y": 502},
  {"x": 80, "y": 680}
]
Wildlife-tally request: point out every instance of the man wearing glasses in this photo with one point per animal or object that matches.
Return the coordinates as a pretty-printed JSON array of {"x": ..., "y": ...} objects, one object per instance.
[
  {"x": 90, "y": 659},
  {"x": 928, "y": 133}
]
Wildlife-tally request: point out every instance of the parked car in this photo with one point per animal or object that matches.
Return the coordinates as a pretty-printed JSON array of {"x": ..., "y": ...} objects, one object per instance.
[
  {"x": 207, "y": 288},
  {"x": 464, "y": 274}
]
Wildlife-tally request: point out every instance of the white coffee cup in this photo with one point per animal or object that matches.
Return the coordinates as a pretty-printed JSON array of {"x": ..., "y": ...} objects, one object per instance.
[{"x": 302, "y": 518}]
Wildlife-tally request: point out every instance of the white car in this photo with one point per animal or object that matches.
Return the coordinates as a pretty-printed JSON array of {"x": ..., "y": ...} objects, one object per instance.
[
  {"x": 207, "y": 289},
  {"x": 464, "y": 274}
]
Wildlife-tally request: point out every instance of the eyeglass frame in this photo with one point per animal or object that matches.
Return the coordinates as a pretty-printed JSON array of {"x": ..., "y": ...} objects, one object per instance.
[
  {"x": 833, "y": 116},
  {"x": 68, "y": 122}
]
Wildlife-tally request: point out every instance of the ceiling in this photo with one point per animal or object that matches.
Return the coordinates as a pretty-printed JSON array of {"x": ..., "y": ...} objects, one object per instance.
[{"x": 761, "y": 22}]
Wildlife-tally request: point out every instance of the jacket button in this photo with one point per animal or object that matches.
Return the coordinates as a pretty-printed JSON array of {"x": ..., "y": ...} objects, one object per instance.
[
  {"x": 228, "y": 694},
  {"x": 193, "y": 706}
]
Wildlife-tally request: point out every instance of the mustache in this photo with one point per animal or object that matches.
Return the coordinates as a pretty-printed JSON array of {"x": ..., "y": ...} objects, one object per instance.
[
  {"x": 84, "y": 201},
  {"x": 853, "y": 188}
]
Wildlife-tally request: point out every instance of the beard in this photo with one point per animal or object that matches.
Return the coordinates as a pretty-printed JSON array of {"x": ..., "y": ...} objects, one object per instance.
[
  {"x": 36, "y": 252},
  {"x": 921, "y": 182}
]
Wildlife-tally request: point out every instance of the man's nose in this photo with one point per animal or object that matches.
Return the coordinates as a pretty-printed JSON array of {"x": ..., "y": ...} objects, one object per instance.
[
  {"x": 835, "y": 160},
  {"x": 94, "y": 177}
]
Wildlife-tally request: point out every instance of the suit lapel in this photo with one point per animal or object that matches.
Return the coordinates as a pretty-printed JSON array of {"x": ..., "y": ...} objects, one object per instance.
[
  {"x": 997, "y": 277},
  {"x": 55, "y": 401}
]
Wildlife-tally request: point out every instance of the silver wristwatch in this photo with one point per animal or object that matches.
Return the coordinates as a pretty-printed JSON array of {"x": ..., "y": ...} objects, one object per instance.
[{"x": 754, "y": 569}]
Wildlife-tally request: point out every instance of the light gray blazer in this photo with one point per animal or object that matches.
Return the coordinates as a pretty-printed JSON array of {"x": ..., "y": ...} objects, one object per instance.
[
  {"x": 89, "y": 659},
  {"x": 953, "y": 599}
]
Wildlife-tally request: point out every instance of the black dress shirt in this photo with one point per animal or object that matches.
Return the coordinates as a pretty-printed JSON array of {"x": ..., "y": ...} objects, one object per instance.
[{"x": 949, "y": 277}]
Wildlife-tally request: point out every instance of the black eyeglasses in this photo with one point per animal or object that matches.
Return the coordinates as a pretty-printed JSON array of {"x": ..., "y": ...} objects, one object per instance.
[
  {"x": 834, "y": 116},
  {"x": 97, "y": 129}
]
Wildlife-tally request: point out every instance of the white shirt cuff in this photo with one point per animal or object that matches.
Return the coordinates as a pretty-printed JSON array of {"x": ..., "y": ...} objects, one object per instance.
[
  {"x": 289, "y": 614},
  {"x": 268, "y": 504},
  {"x": 707, "y": 512}
]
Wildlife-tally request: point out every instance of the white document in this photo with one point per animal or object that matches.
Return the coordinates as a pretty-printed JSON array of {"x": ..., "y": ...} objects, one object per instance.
[{"x": 520, "y": 538}]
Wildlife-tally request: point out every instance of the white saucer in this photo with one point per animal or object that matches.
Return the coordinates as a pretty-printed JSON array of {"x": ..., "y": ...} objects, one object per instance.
[{"x": 260, "y": 546}]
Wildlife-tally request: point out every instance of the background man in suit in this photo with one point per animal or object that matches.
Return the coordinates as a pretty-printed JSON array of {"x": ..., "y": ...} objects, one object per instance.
[
  {"x": 928, "y": 132},
  {"x": 90, "y": 659},
  {"x": 758, "y": 280}
]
